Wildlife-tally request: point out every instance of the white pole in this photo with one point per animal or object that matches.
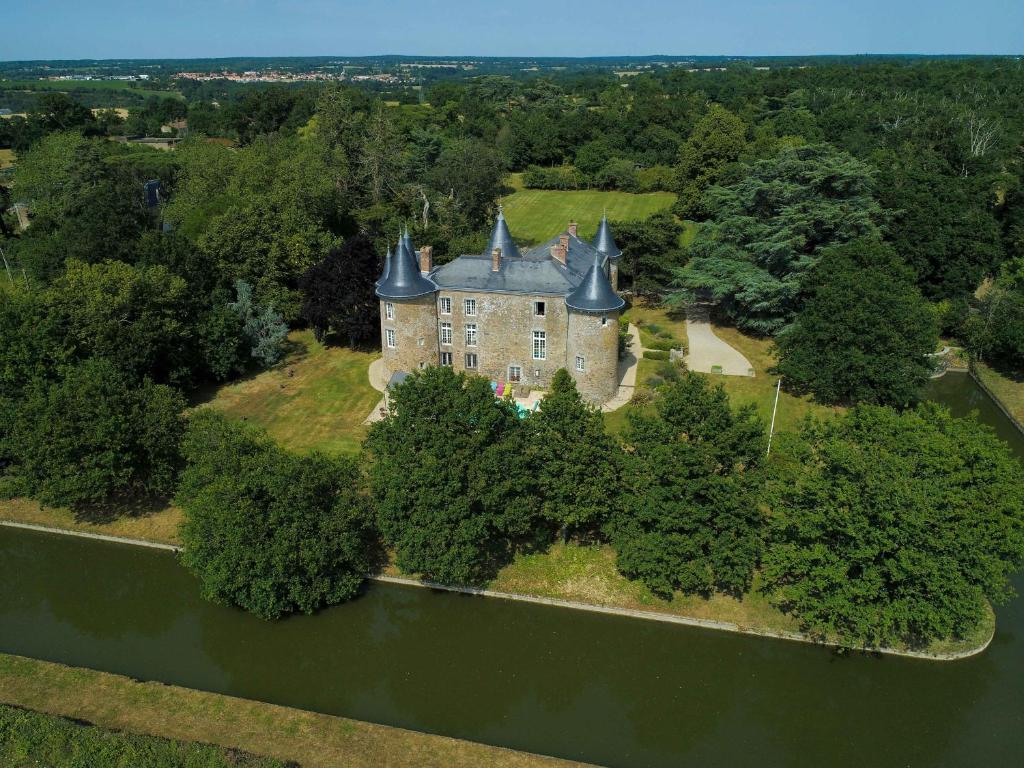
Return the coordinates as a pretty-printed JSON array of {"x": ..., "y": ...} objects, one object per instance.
[{"x": 775, "y": 408}]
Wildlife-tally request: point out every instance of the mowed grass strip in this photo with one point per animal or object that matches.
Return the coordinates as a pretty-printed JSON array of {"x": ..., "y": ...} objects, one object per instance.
[
  {"x": 316, "y": 398},
  {"x": 535, "y": 215},
  {"x": 151, "y": 521},
  {"x": 1008, "y": 388},
  {"x": 6, "y": 158},
  {"x": 310, "y": 739}
]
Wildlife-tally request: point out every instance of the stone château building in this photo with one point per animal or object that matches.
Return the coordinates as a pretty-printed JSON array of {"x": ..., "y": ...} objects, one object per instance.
[{"x": 505, "y": 315}]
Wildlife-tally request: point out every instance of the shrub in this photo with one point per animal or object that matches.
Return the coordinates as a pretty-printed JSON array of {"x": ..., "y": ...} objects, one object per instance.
[
  {"x": 655, "y": 354},
  {"x": 561, "y": 177}
]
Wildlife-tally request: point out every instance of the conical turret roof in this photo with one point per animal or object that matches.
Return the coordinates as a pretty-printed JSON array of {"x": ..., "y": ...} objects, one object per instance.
[
  {"x": 387, "y": 268},
  {"x": 502, "y": 238},
  {"x": 594, "y": 293},
  {"x": 409, "y": 247},
  {"x": 603, "y": 240},
  {"x": 403, "y": 280}
]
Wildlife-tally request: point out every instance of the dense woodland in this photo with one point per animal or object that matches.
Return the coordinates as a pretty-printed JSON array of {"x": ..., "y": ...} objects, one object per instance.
[{"x": 852, "y": 212}]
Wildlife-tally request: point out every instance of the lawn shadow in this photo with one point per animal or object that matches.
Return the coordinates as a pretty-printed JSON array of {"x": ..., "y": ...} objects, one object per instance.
[{"x": 127, "y": 505}]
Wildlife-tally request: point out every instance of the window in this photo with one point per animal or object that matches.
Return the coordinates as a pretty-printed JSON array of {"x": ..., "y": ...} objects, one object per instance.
[
  {"x": 423, "y": 365},
  {"x": 389, "y": 311},
  {"x": 540, "y": 345},
  {"x": 446, "y": 359},
  {"x": 515, "y": 374},
  {"x": 446, "y": 333},
  {"x": 539, "y": 308},
  {"x": 471, "y": 360},
  {"x": 581, "y": 364},
  {"x": 470, "y": 305},
  {"x": 389, "y": 334},
  {"x": 446, "y": 305},
  {"x": 604, "y": 321},
  {"x": 471, "y": 335}
]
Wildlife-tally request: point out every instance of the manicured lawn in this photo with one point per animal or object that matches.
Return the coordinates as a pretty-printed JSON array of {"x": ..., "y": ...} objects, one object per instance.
[
  {"x": 154, "y": 522},
  {"x": 312, "y": 740},
  {"x": 316, "y": 398},
  {"x": 760, "y": 389},
  {"x": 535, "y": 215}
]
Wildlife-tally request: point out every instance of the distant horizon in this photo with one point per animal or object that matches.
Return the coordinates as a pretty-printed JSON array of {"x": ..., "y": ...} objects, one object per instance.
[{"x": 58, "y": 30}]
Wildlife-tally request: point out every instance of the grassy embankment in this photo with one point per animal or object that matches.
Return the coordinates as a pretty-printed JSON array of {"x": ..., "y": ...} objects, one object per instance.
[
  {"x": 281, "y": 733},
  {"x": 1006, "y": 387},
  {"x": 534, "y": 215}
]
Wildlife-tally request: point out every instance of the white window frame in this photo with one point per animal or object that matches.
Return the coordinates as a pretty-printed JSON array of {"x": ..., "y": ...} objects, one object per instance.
[
  {"x": 515, "y": 378},
  {"x": 469, "y": 307},
  {"x": 581, "y": 363},
  {"x": 389, "y": 311},
  {"x": 446, "y": 305},
  {"x": 389, "y": 338},
  {"x": 476, "y": 361},
  {"x": 472, "y": 335},
  {"x": 446, "y": 359},
  {"x": 544, "y": 308},
  {"x": 540, "y": 345},
  {"x": 446, "y": 334}
]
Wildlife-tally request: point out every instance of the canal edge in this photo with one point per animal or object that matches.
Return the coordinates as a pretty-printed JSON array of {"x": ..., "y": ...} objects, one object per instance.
[{"x": 635, "y": 613}]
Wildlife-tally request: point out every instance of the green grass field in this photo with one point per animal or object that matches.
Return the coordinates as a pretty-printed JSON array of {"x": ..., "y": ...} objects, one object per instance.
[
  {"x": 316, "y": 398},
  {"x": 70, "y": 86},
  {"x": 6, "y": 158},
  {"x": 535, "y": 215}
]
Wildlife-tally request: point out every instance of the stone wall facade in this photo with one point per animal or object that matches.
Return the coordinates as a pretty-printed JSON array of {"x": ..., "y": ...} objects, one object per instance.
[{"x": 505, "y": 326}]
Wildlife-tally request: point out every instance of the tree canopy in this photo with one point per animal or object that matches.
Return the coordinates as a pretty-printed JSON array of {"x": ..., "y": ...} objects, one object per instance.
[
  {"x": 895, "y": 527},
  {"x": 864, "y": 333}
]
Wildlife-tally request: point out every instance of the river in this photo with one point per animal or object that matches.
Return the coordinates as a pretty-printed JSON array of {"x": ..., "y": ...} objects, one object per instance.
[{"x": 604, "y": 689}]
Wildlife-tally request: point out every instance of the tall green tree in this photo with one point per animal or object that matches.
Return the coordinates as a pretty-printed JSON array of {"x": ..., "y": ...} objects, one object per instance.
[
  {"x": 769, "y": 228},
  {"x": 577, "y": 461},
  {"x": 689, "y": 518},
  {"x": 339, "y": 292},
  {"x": 451, "y": 477},
  {"x": 864, "y": 333},
  {"x": 96, "y": 434},
  {"x": 717, "y": 140},
  {"x": 895, "y": 527},
  {"x": 269, "y": 531}
]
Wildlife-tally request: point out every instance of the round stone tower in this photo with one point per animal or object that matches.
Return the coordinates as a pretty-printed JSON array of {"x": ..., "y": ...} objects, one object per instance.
[
  {"x": 408, "y": 311},
  {"x": 592, "y": 349}
]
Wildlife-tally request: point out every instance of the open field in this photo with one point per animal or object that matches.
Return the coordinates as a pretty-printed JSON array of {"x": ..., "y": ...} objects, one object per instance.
[
  {"x": 71, "y": 86},
  {"x": 6, "y": 158},
  {"x": 534, "y": 215},
  {"x": 312, "y": 740},
  {"x": 316, "y": 398},
  {"x": 34, "y": 738}
]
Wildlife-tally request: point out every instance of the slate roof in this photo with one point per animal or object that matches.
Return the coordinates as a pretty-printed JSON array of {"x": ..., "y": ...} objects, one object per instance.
[
  {"x": 403, "y": 280},
  {"x": 534, "y": 272},
  {"x": 387, "y": 268},
  {"x": 603, "y": 240},
  {"x": 502, "y": 238},
  {"x": 594, "y": 293}
]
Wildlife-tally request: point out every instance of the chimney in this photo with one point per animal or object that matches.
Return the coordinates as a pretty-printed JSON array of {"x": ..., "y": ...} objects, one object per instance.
[
  {"x": 496, "y": 260},
  {"x": 426, "y": 259},
  {"x": 558, "y": 253},
  {"x": 572, "y": 228}
]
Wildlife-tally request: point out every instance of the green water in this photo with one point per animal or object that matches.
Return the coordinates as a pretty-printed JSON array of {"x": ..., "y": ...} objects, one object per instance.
[{"x": 603, "y": 689}]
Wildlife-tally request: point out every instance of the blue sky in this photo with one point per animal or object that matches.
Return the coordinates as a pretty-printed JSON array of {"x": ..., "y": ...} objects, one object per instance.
[{"x": 55, "y": 29}]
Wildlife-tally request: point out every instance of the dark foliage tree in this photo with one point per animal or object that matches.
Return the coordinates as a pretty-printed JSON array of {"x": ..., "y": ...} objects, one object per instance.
[
  {"x": 576, "y": 460},
  {"x": 864, "y": 332},
  {"x": 650, "y": 251},
  {"x": 689, "y": 518},
  {"x": 895, "y": 528},
  {"x": 266, "y": 530},
  {"x": 96, "y": 434},
  {"x": 769, "y": 227},
  {"x": 338, "y": 292},
  {"x": 451, "y": 476}
]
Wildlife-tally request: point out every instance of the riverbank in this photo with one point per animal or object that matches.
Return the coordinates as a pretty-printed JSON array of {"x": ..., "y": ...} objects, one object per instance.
[
  {"x": 1007, "y": 393},
  {"x": 313, "y": 740},
  {"x": 585, "y": 578}
]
